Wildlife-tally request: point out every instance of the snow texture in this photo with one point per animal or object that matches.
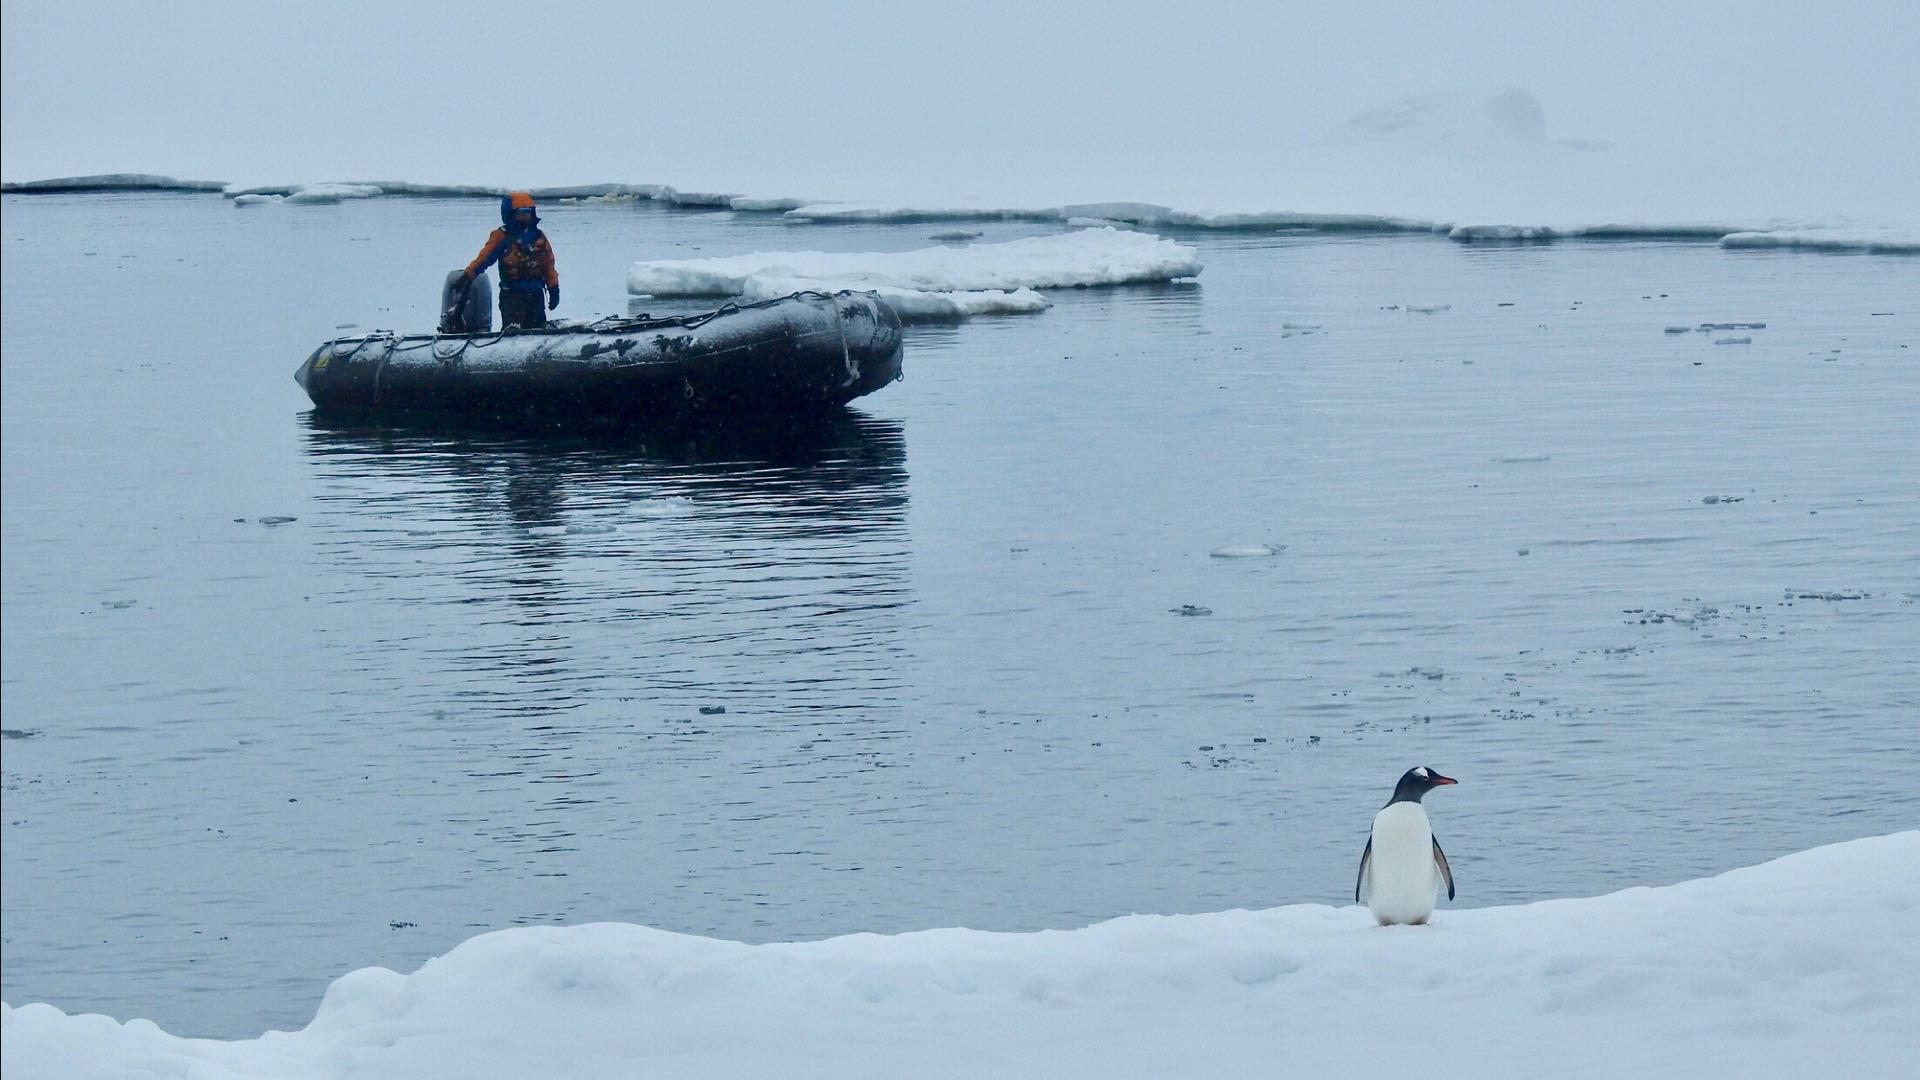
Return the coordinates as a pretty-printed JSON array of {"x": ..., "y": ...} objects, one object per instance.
[
  {"x": 942, "y": 282},
  {"x": 1801, "y": 967}
]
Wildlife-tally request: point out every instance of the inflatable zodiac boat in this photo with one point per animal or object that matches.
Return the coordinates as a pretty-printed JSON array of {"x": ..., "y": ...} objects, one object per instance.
[{"x": 805, "y": 351}]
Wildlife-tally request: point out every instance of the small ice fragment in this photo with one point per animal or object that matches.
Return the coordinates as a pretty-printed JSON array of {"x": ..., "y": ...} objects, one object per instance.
[
  {"x": 1733, "y": 341},
  {"x": 1244, "y": 551},
  {"x": 1733, "y": 326},
  {"x": 1678, "y": 329},
  {"x": 1299, "y": 326},
  {"x": 277, "y": 519},
  {"x": 1429, "y": 309},
  {"x": 1191, "y": 609}
]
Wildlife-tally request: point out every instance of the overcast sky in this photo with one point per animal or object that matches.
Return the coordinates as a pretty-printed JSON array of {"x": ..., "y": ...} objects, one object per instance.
[{"x": 552, "y": 92}]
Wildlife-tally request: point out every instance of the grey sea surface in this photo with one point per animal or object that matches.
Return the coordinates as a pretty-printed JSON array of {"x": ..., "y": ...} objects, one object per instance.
[{"x": 1137, "y": 605}]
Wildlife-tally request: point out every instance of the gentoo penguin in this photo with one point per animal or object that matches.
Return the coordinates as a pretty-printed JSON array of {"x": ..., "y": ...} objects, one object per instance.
[{"x": 1403, "y": 866}]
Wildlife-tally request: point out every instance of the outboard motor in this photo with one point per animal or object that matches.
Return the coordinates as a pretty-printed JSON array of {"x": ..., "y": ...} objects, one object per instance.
[{"x": 471, "y": 313}]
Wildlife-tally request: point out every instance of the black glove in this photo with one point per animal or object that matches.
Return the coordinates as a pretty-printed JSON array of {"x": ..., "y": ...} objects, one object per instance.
[
  {"x": 553, "y": 297},
  {"x": 465, "y": 280}
]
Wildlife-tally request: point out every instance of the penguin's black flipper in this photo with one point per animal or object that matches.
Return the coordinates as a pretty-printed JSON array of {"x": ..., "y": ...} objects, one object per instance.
[
  {"x": 1366, "y": 863},
  {"x": 1440, "y": 860}
]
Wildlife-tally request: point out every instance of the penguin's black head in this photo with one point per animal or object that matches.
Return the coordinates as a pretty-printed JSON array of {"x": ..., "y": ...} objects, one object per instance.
[{"x": 1416, "y": 782}]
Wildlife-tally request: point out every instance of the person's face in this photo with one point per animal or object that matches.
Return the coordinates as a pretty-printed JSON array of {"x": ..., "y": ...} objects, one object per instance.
[{"x": 523, "y": 217}]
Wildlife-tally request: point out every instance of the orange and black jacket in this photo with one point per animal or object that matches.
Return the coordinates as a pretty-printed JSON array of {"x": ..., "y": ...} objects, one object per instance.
[{"x": 524, "y": 255}]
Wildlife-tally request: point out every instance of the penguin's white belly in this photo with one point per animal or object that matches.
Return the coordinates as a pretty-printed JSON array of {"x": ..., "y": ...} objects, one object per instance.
[{"x": 1403, "y": 879}]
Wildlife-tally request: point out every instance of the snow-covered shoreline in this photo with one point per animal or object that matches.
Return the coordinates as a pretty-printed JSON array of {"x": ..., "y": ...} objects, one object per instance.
[
  {"x": 1869, "y": 237},
  {"x": 1797, "y": 967}
]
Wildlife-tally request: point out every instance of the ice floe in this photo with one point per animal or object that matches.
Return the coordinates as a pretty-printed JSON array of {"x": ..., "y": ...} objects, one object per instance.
[
  {"x": 306, "y": 194},
  {"x": 106, "y": 182},
  {"x": 1870, "y": 240},
  {"x": 1879, "y": 238},
  {"x": 933, "y": 282}
]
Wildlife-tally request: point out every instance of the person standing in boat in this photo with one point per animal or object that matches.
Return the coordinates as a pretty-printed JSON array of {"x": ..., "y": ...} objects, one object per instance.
[{"x": 526, "y": 264}]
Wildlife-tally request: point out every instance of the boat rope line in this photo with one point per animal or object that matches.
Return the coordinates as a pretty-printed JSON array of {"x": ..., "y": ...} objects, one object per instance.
[
  {"x": 846, "y": 354},
  {"x": 610, "y": 324}
]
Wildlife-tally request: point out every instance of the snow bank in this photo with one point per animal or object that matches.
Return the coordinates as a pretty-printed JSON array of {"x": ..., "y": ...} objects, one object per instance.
[
  {"x": 1801, "y": 967},
  {"x": 933, "y": 282}
]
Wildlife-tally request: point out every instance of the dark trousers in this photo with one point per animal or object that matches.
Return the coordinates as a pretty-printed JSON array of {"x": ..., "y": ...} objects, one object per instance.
[{"x": 523, "y": 308}]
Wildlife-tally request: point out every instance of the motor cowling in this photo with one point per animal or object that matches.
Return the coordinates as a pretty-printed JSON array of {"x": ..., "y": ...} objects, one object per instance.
[{"x": 468, "y": 313}]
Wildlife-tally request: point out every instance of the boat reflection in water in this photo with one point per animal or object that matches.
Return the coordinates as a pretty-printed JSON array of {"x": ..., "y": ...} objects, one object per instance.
[{"x": 760, "y": 567}]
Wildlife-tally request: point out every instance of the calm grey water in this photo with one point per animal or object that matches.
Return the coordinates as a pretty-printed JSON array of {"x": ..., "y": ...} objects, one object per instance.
[{"x": 1654, "y": 600}]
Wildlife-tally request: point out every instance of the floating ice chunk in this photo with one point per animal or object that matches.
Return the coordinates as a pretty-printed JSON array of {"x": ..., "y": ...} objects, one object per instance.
[
  {"x": 1679, "y": 329},
  {"x": 935, "y": 282},
  {"x": 1246, "y": 551},
  {"x": 1885, "y": 240},
  {"x": 303, "y": 193},
  {"x": 1733, "y": 341},
  {"x": 333, "y": 193},
  {"x": 1706, "y": 327},
  {"x": 1470, "y": 233},
  {"x": 766, "y": 205},
  {"x": 1429, "y": 309},
  {"x": 1299, "y": 326}
]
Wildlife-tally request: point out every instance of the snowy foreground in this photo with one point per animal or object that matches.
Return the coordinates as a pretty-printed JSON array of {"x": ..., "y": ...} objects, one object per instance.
[
  {"x": 937, "y": 282},
  {"x": 1802, "y": 967}
]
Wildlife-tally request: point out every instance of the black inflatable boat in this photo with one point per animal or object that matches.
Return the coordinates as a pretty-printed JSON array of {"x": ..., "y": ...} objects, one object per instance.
[{"x": 808, "y": 350}]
